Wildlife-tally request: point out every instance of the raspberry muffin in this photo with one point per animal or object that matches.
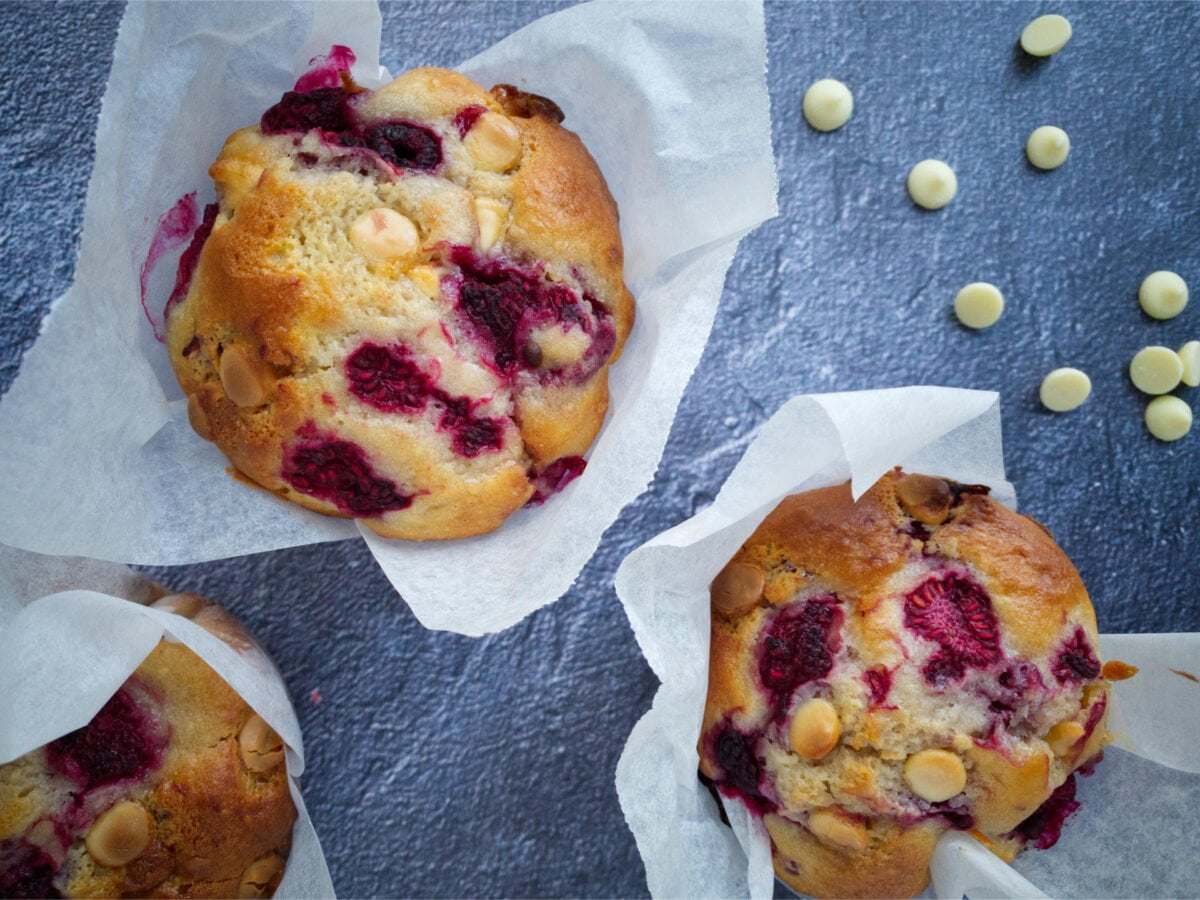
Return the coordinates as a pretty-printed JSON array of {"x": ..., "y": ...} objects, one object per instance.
[
  {"x": 403, "y": 306},
  {"x": 175, "y": 788},
  {"x": 882, "y": 671}
]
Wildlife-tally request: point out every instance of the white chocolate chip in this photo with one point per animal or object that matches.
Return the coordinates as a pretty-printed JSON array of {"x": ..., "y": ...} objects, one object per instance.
[
  {"x": 494, "y": 142},
  {"x": 260, "y": 747},
  {"x": 836, "y": 829},
  {"x": 1163, "y": 295},
  {"x": 259, "y": 876},
  {"x": 1156, "y": 370},
  {"x": 1189, "y": 355},
  {"x": 932, "y": 184},
  {"x": 120, "y": 835},
  {"x": 935, "y": 775},
  {"x": 1045, "y": 35},
  {"x": 242, "y": 376},
  {"x": 815, "y": 729},
  {"x": 979, "y": 304},
  {"x": 491, "y": 215},
  {"x": 1168, "y": 418},
  {"x": 1063, "y": 736},
  {"x": 1065, "y": 389},
  {"x": 560, "y": 348},
  {"x": 382, "y": 234},
  {"x": 737, "y": 589},
  {"x": 427, "y": 280},
  {"x": 827, "y": 104},
  {"x": 1047, "y": 147}
]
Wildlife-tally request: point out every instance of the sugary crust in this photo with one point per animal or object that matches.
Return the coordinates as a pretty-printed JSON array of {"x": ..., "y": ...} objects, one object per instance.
[
  {"x": 281, "y": 282},
  {"x": 867, "y": 557},
  {"x": 212, "y": 817}
]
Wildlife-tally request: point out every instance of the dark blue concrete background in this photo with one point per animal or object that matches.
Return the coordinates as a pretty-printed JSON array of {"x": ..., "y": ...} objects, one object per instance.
[{"x": 440, "y": 765}]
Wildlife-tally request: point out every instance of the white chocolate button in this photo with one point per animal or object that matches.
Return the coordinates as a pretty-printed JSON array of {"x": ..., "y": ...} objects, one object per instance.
[
  {"x": 427, "y": 279},
  {"x": 935, "y": 775},
  {"x": 815, "y": 729},
  {"x": 259, "y": 875},
  {"x": 827, "y": 104},
  {"x": 494, "y": 142},
  {"x": 1163, "y": 295},
  {"x": 260, "y": 747},
  {"x": 737, "y": 589},
  {"x": 491, "y": 215},
  {"x": 1065, "y": 389},
  {"x": 1156, "y": 370},
  {"x": 242, "y": 376},
  {"x": 932, "y": 184},
  {"x": 1168, "y": 418},
  {"x": 979, "y": 304},
  {"x": 1063, "y": 736},
  {"x": 1045, "y": 35},
  {"x": 1047, "y": 147},
  {"x": 1189, "y": 355},
  {"x": 829, "y": 826},
  {"x": 384, "y": 234},
  {"x": 120, "y": 835}
]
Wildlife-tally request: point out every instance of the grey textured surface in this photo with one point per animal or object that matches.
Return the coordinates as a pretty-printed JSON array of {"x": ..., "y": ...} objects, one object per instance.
[{"x": 446, "y": 766}]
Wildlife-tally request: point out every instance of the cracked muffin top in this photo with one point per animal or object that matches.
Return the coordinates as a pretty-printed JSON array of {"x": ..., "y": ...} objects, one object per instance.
[
  {"x": 175, "y": 788},
  {"x": 403, "y": 306},
  {"x": 882, "y": 671}
]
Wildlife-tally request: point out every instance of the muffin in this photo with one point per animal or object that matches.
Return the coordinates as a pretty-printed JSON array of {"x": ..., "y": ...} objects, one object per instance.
[
  {"x": 175, "y": 788},
  {"x": 403, "y": 307},
  {"x": 882, "y": 671}
]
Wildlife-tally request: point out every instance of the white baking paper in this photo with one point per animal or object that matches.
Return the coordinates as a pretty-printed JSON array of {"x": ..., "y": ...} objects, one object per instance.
[
  {"x": 96, "y": 454},
  {"x": 1132, "y": 837},
  {"x": 63, "y": 654}
]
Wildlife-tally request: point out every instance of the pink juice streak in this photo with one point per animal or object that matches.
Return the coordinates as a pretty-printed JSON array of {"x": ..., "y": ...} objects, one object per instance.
[
  {"x": 175, "y": 226},
  {"x": 326, "y": 71}
]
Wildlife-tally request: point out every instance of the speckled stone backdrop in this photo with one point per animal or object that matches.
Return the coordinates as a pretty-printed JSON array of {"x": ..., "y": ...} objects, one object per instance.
[{"x": 443, "y": 766}]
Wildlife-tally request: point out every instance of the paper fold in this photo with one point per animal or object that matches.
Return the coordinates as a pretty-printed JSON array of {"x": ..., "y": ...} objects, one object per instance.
[{"x": 673, "y": 106}]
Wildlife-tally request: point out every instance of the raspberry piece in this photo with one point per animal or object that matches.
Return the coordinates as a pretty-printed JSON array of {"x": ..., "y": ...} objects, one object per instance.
[
  {"x": 955, "y": 613},
  {"x": 734, "y": 752},
  {"x": 325, "y": 108},
  {"x": 1044, "y": 827},
  {"x": 117, "y": 744},
  {"x": 879, "y": 684},
  {"x": 505, "y": 303},
  {"x": 1076, "y": 661},
  {"x": 465, "y": 118},
  {"x": 328, "y": 468},
  {"x": 554, "y": 477},
  {"x": 403, "y": 144},
  {"x": 798, "y": 647},
  {"x": 26, "y": 871},
  {"x": 388, "y": 378},
  {"x": 189, "y": 259}
]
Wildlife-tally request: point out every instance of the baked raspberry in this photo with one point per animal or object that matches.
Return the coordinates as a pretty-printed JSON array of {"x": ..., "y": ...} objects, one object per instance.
[
  {"x": 955, "y": 613},
  {"x": 465, "y": 118},
  {"x": 504, "y": 302},
  {"x": 1044, "y": 827},
  {"x": 326, "y": 109},
  {"x": 191, "y": 256},
  {"x": 120, "y": 742},
  {"x": 26, "y": 871},
  {"x": 554, "y": 477},
  {"x": 879, "y": 684},
  {"x": 405, "y": 145},
  {"x": 1076, "y": 661},
  {"x": 389, "y": 379},
  {"x": 735, "y": 754},
  {"x": 798, "y": 647},
  {"x": 337, "y": 471}
]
